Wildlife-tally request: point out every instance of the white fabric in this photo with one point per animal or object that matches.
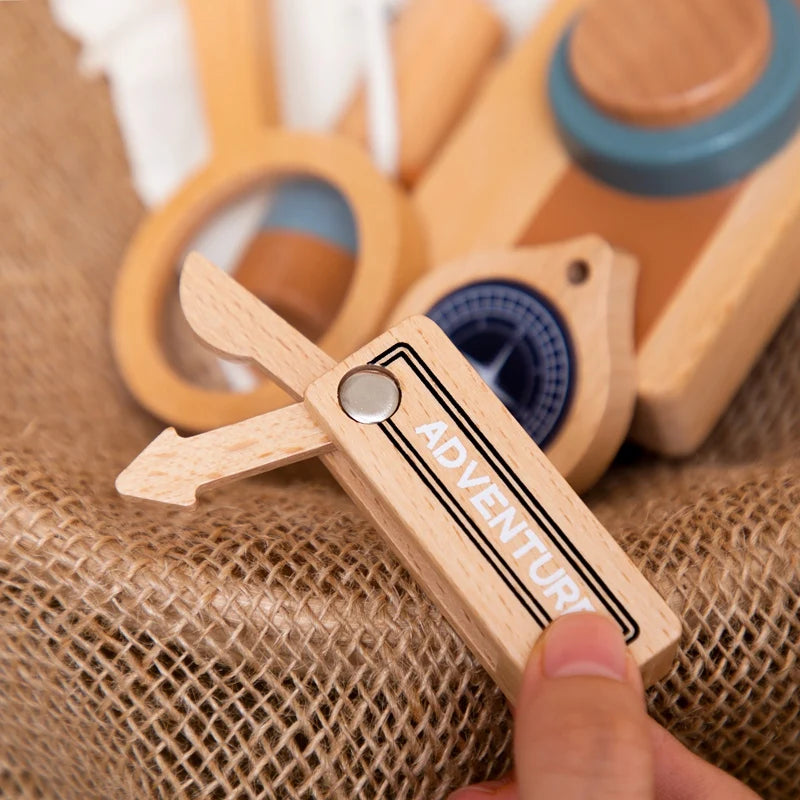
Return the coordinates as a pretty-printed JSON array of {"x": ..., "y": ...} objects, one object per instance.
[{"x": 145, "y": 50}]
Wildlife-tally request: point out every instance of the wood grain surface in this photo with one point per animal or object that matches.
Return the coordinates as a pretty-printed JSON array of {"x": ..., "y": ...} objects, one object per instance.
[
  {"x": 441, "y": 50},
  {"x": 248, "y": 152},
  {"x": 172, "y": 469},
  {"x": 669, "y": 62},
  {"x": 234, "y": 322},
  {"x": 302, "y": 277},
  {"x": 479, "y": 515},
  {"x": 391, "y": 255}
]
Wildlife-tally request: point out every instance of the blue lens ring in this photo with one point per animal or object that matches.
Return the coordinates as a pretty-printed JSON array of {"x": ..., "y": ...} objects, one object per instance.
[{"x": 692, "y": 158}]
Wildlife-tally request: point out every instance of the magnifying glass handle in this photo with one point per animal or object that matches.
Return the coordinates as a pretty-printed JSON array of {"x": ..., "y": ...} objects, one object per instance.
[{"x": 233, "y": 46}]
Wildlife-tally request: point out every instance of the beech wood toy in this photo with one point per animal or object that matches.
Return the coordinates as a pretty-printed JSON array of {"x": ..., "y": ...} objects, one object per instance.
[
  {"x": 550, "y": 330},
  {"x": 248, "y": 150},
  {"x": 475, "y": 511},
  {"x": 669, "y": 128}
]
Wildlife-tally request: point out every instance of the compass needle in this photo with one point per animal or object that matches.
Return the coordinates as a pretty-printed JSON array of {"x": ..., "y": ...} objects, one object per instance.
[
  {"x": 557, "y": 352},
  {"x": 526, "y": 326}
]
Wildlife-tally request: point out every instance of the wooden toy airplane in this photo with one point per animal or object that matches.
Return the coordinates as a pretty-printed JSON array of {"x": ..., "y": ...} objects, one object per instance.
[{"x": 471, "y": 506}]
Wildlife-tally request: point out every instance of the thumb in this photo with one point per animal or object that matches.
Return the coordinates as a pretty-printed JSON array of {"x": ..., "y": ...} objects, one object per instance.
[{"x": 581, "y": 725}]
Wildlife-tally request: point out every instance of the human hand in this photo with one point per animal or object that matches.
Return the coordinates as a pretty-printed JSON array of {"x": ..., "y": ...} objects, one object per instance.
[{"x": 582, "y": 729}]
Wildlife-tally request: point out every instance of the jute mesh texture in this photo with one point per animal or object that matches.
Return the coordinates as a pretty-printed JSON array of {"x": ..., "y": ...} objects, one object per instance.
[{"x": 268, "y": 644}]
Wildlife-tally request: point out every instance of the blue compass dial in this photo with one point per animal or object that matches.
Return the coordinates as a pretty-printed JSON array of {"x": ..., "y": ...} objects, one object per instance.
[{"x": 519, "y": 344}]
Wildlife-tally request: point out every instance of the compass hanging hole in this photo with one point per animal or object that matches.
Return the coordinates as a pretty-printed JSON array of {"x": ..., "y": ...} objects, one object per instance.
[{"x": 578, "y": 271}]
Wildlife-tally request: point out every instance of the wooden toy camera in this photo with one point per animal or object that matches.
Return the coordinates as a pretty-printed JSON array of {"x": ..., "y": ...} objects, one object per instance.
[{"x": 669, "y": 128}]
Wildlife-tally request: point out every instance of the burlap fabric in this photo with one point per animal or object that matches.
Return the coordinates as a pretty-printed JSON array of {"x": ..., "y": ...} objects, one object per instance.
[{"x": 268, "y": 644}]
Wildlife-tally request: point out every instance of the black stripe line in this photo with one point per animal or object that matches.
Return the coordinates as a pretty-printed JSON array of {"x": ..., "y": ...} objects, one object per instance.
[
  {"x": 507, "y": 575},
  {"x": 523, "y": 494}
]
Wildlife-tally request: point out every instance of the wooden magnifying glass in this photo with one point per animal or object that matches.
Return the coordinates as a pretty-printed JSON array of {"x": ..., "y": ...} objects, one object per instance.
[{"x": 232, "y": 46}]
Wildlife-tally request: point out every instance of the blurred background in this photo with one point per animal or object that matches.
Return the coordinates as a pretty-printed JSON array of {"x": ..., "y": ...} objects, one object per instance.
[{"x": 269, "y": 643}]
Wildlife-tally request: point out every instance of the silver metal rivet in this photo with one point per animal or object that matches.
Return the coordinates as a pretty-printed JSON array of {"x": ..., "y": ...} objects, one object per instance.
[{"x": 369, "y": 394}]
